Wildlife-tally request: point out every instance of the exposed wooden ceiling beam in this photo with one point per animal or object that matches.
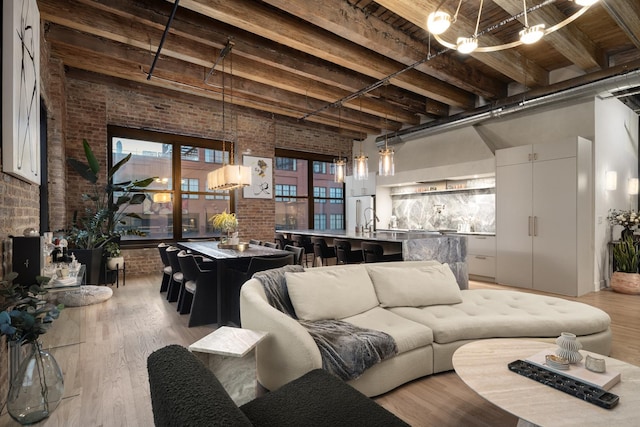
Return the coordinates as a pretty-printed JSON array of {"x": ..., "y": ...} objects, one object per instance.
[
  {"x": 294, "y": 33},
  {"x": 626, "y": 13},
  {"x": 510, "y": 63}
]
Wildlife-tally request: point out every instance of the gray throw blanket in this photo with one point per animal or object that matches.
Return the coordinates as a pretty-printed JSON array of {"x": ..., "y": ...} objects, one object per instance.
[{"x": 347, "y": 350}]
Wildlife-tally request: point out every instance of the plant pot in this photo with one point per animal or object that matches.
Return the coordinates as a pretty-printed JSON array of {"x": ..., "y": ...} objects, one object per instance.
[
  {"x": 92, "y": 258},
  {"x": 113, "y": 263},
  {"x": 36, "y": 388},
  {"x": 625, "y": 283}
]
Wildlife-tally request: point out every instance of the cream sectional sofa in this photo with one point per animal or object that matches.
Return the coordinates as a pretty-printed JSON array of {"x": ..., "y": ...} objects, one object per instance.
[{"x": 419, "y": 304}]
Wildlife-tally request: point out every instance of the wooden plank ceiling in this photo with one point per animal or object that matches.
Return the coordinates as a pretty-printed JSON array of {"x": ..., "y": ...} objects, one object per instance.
[{"x": 364, "y": 66}]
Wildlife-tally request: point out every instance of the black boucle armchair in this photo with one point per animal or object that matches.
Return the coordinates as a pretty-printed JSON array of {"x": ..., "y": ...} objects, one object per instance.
[{"x": 185, "y": 393}]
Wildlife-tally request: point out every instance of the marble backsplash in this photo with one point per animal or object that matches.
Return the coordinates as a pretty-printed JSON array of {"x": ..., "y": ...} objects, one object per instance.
[{"x": 474, "y": 210}]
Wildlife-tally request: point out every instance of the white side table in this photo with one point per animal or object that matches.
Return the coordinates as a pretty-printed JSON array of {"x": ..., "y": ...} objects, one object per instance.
[{"x": 230, "y": 354}]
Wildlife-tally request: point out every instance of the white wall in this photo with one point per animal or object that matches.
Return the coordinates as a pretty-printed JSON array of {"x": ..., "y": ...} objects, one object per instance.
[{"x": 616, "y": 149}]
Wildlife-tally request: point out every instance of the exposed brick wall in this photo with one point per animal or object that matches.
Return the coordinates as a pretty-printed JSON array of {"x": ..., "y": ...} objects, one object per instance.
[{"x": 92, "y": 105}]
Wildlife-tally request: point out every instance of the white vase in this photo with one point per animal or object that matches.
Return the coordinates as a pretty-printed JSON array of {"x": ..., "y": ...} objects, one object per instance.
[
  {"x": 113, "y": 263},
  {"x": 569, "y": 347}
]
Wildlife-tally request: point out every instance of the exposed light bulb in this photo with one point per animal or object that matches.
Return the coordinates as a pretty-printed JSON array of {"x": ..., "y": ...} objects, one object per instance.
[
  {"x": 466, "y": 44},
  {"x": 339, "y": 169},
  {"x": 386, "y": 165},
  {"x": 532, "y": 34},
  {"x": 438, "y": 22},
  {"x": 360, "y": 167}
]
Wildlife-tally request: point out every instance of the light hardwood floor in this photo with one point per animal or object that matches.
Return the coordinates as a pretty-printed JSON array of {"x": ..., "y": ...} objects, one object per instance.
[{"x": 103, "y": 350}]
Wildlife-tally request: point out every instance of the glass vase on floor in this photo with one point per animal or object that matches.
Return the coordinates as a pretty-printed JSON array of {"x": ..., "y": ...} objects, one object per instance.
[{"x": 37, "y": 387}]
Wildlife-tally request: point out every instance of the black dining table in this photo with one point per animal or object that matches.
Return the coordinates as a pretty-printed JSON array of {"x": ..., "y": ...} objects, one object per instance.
[{"x": 227, "y": 258}]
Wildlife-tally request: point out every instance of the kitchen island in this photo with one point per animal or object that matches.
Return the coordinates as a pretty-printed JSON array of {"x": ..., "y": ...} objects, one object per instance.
[{"x": 414, "y": 246}]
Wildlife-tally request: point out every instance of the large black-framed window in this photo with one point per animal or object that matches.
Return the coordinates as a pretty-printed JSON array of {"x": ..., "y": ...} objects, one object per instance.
[
  {"x": 178, "y": 204},
  {"x": 318, "y": 202}
]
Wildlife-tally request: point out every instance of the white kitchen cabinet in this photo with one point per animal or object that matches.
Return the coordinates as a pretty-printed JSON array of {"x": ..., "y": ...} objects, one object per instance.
[
  {"x": 543, "y": 219},
  {"x": 481, "y": 256}
]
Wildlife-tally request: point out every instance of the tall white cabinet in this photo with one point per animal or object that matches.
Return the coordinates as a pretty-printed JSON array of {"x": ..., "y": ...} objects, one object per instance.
[{"x": 544, "y": 217}]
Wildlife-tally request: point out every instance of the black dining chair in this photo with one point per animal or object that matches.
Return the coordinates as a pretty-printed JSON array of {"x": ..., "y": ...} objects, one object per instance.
[
  {"x": 204, "y": 305},
  {"x": 281, "y": 240},
  {"x": 254, "y": 242},
  {"x": 303, "y": 242},
  {"x": 322, "y": 251},
  {"x": 238, "y": 278},
  {"x": 344, "y": 254},
  {"x": 166, "y": 267},
  {"x": 176, "y": 275},
  {"x": 298, "y": 253},
  {"x": 271, "y": 245},
  {"x": 189, "y": 268},
  {"x": 374, "y": 252}
]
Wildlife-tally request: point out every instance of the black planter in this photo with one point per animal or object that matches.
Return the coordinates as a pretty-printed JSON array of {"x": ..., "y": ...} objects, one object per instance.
[{"x": 92, "y": 258}]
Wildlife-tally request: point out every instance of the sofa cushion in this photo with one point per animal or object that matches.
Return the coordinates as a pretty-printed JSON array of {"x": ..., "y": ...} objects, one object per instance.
[
  {"x": 331, "y": 292},
  {"x": 409, "y": 285},
  {"x": 492, "y": 313},
  {"x": 407, "y": 334}
]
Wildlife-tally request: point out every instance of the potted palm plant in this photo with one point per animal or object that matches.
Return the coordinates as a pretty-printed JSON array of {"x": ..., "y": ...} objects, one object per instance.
[
  {"x": 626, "y": 259},
  {"x": 105, "y": 208}
]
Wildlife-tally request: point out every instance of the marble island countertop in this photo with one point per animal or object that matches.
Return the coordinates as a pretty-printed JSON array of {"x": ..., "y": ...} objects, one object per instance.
[
  {"x": 379, "y": 235},
  {"x": 448, "y": 231}
]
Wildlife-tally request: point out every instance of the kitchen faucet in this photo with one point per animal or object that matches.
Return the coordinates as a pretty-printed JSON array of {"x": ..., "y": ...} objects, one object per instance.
[{"x": 369, "y": 224}]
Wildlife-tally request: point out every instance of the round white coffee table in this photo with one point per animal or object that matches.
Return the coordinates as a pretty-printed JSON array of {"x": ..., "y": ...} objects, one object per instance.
[{"x": 482, "y": 365}]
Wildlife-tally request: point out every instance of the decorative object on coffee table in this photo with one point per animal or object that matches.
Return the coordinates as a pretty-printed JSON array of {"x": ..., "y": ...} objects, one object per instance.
[{"x": 569, "y": 347}]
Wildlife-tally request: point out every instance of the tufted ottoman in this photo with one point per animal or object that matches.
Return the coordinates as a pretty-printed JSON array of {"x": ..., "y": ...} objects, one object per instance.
[{"x": 492, "y": 313}]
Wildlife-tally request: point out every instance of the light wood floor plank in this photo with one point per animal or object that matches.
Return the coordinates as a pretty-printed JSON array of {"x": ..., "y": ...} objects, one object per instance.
[{"x": 106, "y": 371}]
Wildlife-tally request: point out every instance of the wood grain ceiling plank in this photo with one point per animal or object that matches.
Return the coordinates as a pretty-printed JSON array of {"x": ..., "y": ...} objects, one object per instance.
[
  {"x": 145, "y": 38},
  {"x": 572, "y": 43},
  {"x": 508, "y": 62},
  {"x": 294, "y": 33},
  {"x": 377, "y": 35},
  {"x": 626, "y": 13}
]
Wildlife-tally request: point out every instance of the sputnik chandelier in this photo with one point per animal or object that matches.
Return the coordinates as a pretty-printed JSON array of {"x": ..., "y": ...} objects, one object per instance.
[{"x": 439, "y": 21}]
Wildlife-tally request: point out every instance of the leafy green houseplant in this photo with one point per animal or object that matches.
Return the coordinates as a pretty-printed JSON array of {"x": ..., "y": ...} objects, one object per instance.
[
  {"x": 626, "y": 259},
  {"x": 104, "y": 211}
]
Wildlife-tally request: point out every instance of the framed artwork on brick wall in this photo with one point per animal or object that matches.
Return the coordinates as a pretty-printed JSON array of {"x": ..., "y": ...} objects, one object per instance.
[
  {"x": 21, "y": 89},
  {"x": 261, "y": 177}
]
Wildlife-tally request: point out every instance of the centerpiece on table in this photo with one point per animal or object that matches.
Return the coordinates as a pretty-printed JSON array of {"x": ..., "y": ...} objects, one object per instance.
[
  {"x": 228, "y": 223},
  {"x": 628, "y": 219},
  {"x": 36, "y": 382}
]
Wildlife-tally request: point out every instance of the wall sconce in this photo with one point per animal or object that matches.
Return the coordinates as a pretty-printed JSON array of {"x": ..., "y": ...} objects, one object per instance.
[
  {"x": 633, "y": 186},
  {"x": 611, "y": 180}
]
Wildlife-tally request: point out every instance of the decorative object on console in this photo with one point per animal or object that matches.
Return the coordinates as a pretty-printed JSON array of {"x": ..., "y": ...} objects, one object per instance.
[{"x": 569, "y": 347}]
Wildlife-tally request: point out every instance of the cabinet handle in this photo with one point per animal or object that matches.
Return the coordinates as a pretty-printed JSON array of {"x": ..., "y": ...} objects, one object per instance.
[
  {"x": 535, "y": 226},
  {"x": 535, "y": 156},
  {"x": 480, "y": 257},
  {"x": 530, "y": 156},
  {"x": 480, "y": 237},
  {"x": 529, "y": 225}
]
